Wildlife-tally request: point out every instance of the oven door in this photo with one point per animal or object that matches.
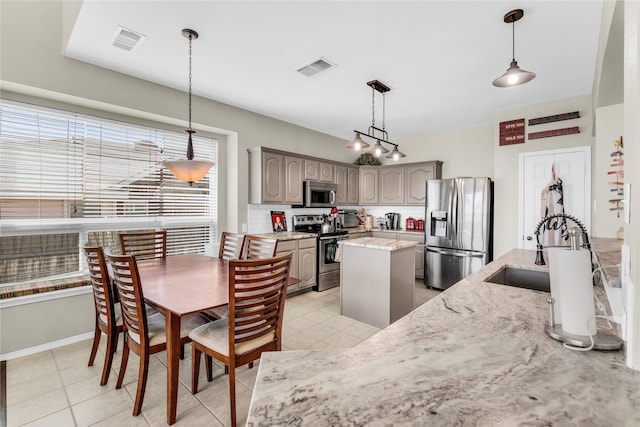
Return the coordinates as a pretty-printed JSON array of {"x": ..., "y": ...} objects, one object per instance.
[{"x": 327, "y": 248}]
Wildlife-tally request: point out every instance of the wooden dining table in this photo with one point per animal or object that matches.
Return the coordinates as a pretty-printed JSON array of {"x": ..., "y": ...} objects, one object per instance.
[{"x": 177, "y": 286}]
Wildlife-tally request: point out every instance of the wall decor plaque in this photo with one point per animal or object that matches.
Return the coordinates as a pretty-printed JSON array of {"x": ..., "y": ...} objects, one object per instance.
[
  {"x": 554, "y": 132},
  {"x": 555, "y": 118},
  {"x": 512, "y": 132}
]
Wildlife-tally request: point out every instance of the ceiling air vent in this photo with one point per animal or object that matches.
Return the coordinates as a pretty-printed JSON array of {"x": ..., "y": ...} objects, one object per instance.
[
  {"x": 127, "y": 39},
  {"x": 315, "y": 67}
]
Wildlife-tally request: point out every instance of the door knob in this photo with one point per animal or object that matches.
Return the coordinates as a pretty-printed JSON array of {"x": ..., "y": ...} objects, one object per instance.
[{"x": 529, "y": 238}]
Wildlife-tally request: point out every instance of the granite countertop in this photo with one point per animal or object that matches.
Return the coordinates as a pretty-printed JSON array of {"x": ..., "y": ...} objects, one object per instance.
[
  {"x": 607, "y": 251},
  {"x": 288, "y": 235},
  {"x": 378, "y": 243},
  {"x": 476, "y": 354}
]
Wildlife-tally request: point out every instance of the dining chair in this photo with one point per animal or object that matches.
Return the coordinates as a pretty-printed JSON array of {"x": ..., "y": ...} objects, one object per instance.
[
  {"x": 257, "y": 247},
  {"x": 144, "y": 335},
  {"x": 257, "y": 291},
  {"x": 230, "y": 245},
  {"x": 108, "y": 314},
  {"x": 144, "y": 245}
]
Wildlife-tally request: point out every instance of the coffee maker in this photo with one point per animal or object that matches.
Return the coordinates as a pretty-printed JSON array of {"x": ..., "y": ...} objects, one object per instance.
[{"x": 392, "y": 221}]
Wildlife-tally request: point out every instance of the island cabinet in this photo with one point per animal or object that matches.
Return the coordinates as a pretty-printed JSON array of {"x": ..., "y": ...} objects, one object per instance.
[
  {"x": 383, "y": 291},
  {"x": 275, "y": 177},
  {"x": 317, "y": 170},
  {"x": 303, "y": 261},
  {"x": 413, "y": 236},
  {"x": 347, "y": 178}
]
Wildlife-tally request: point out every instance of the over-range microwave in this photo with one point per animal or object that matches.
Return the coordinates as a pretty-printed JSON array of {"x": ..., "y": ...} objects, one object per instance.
[{"x": 317, "y": 194}]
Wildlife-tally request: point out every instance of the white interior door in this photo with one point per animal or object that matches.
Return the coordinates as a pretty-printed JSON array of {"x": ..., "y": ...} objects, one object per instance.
[{"x": 573, "y": 166}]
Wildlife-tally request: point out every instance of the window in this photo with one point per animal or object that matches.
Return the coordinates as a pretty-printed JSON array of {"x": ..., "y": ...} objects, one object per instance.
[{"x": 68, "y": 178}]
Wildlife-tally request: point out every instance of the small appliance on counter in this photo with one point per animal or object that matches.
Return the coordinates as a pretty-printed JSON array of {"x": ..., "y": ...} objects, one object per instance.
[
  {"x": 410, "y": 224},
  {"x": 392, "y": 221},
  {"x": 420, "y": 224},
  {"x": 348, "y": 218}
]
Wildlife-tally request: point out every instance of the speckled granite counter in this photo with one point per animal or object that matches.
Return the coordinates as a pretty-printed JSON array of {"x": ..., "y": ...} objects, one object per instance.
[
  {"x": 476, "y": 354},
  {"x": 377, "y": 243},
  {"x": 287, "y": 235}
]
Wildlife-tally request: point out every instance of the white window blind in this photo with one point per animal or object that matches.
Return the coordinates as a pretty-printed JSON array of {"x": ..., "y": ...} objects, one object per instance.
[{"x": 63, "y": 172}]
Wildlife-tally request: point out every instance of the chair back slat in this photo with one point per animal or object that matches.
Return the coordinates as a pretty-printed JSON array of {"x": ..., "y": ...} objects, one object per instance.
[
  {"x": 145, "y": 245},
  {"x": 257, "y": 247},
  {"x": 257, "y": 290},
  {"x": 102, "y": 292},
  {"x": 230, "y": 245},
  {"x": 127, "y": 282}
]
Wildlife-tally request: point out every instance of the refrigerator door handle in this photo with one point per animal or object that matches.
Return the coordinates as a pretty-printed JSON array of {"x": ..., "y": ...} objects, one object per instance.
[{"x": 456, "y": 253}]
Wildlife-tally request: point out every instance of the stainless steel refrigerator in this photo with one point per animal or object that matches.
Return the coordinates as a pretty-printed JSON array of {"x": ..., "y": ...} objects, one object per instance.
[{"x": 458, "y": 230}]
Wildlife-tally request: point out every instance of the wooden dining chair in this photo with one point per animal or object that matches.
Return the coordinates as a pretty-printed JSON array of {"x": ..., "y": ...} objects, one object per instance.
[
  {"x": 108, "y": 314},
  {"x": 257, "y": 247},
  {"x": 143, "y": 335},
  {"x": 230, "y": 245},
  {"x": 144, "y": 245},
  {"x": 257, "y": 291}
]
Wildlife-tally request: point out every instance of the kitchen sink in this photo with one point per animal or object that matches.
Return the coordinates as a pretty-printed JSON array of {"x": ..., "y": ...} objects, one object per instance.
[{"x": 521, "y": 278}]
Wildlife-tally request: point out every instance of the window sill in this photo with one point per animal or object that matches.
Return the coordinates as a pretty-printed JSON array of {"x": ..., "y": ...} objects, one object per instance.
[{"x": 33, "y": 288}]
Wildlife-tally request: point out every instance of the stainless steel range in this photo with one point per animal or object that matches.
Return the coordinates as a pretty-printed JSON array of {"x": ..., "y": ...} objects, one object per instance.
[{"x": 328, "y": 269}]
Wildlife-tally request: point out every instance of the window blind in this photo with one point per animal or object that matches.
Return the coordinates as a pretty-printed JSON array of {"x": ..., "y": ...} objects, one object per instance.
[{"x": 64, "y": 172}]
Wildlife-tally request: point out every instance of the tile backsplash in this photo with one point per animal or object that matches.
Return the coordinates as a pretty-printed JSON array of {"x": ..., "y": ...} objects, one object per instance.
[{"x": 259, "y": 216}]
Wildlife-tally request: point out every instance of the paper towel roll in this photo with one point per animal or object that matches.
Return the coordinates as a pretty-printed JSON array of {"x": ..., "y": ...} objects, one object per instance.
[
  {"x": 573, "y": 278},
  {"x": 554, "y": 281}
]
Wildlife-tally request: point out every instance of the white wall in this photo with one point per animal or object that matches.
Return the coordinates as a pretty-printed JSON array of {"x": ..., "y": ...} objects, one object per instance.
[
  {"x": 609, "y": 127},
  {"x": 506, "y": 159}
]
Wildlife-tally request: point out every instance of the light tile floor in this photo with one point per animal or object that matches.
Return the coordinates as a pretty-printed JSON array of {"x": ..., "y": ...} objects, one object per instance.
[{"x": 57, "y": 388}]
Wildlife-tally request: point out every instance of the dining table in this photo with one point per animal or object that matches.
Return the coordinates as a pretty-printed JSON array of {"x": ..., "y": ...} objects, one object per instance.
[{"x": 178, "y": 286}]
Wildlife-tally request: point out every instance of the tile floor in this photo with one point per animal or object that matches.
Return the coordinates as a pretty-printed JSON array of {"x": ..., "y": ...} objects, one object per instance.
[{"x": 56, "y": 388}]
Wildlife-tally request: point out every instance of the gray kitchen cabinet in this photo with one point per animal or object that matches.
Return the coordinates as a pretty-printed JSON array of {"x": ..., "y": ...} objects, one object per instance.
[
  {"x": 326, "y": 172},
  {"x": 368, "y": 185},
  {"x": 391, "y": 185},
  {"x": 415, "y": 181},
  {"x": 303, "y": 261},
  {"x": 293, "y": 172},
  {"x": 353, "y": 190},
  {"x": 274, "y": 177},
  {"x": 346, "y": 178},
  {"x": 312, "y": 169}
]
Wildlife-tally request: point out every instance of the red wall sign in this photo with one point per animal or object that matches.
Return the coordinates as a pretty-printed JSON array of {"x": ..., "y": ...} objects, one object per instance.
[
  {"x": 512, "y": 132},
  {"x": 554, "y": 132}
]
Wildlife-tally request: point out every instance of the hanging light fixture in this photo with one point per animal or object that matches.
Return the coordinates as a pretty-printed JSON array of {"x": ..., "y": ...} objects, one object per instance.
[
  {"x": 378, "y": 149},
  {"x": 515, "y": 75},
  {"x": 189, "y": 170}
]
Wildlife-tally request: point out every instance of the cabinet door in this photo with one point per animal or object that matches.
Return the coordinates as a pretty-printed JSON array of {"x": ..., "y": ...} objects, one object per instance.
[
  {"x": 420, "y": 261},
  {"x": 326, "y": 172},
  {"x": 293, "y": 180},
  {"x": 306, "y": 267},
  {"x": 312, "y": 169},
  {"x": 416, "y": 183},
  {"x": 272, "y": 178},
  {"x": 368, "y": 186},
  {"x": 352, "y": 186},
  {"x": 391, "y": 185},
  {"x": 341, "y": 180}
]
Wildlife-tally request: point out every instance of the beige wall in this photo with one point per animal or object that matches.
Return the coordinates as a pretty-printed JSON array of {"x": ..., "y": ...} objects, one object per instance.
[
  {"x": 506, "y": 159},
  {"x": 466, "y": 152},
  {"x": 609, "y": 127}
]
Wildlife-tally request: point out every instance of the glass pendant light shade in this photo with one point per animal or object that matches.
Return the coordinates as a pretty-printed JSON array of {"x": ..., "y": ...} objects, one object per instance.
[
  {"x": 514, "y": 76},
  {"x": 188, "y": 170},
  {"x": 357, "y": 144},
  {"x": 378, "y": 149},
  {"x": 395, "y": 154}
]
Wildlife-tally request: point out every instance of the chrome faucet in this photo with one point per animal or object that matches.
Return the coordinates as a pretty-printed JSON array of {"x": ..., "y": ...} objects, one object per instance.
[{"x": 583, "y": 230}]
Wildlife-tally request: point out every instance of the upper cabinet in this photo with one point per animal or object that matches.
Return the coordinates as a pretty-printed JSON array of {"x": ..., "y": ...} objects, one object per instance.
[
  {"x": 347, "y": 179},
  {"x": 415, "y": 181},
  {"x": 391, "y": 185},
  {"x": 368, "y": 185},
  {"x": 397, "y": 185},
  {"x": 317, "y": 170},
  {"x": 274, "y": 177},
  {"x": 293, "y": 171},
  {"x": 353, "y": 185}
]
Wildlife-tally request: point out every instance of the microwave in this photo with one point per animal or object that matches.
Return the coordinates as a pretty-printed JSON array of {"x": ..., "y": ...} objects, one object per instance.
[{"x": 319, "y": 194}]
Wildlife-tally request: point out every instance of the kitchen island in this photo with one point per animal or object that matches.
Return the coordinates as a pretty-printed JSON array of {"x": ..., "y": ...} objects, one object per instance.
[
  {"x": 476, "y": 354},
  {"x": 376, "y": 279}
]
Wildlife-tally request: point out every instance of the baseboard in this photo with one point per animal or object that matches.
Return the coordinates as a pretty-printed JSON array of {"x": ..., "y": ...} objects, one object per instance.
[{"x": 47, "y": 346}]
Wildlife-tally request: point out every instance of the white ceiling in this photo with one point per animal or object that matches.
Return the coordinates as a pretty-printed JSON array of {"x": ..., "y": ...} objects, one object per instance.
[{"x": 438, "y": 57}]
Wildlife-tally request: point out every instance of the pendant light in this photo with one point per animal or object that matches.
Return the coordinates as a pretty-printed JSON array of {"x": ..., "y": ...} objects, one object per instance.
[
  {"x": 189, "y": 170},
  {"x": 515, "y": 75},
  {"x": 378, "y": 149}
]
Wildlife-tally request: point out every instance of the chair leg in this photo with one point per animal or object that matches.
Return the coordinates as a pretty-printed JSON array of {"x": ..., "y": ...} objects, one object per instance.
[
  {"x": 226, "y": 370},
  {"x": 232, "y": 394},
  {"x": 209, "y": 365},
  {"x": 112, "y": 343},
  {"x": 250, "y": 365},
  {"x": 123, "y": 364},
  {"x": 181, "y": 351},
  {"x": 195, "y": 367},
  {"x": 142, "y": 382},
  {"x": 96, "y": 342}
]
